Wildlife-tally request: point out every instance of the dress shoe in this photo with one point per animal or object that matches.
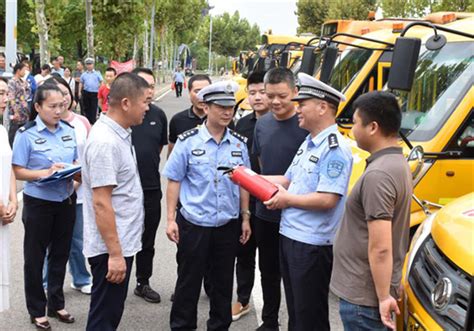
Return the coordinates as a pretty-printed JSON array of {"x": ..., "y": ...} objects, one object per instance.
[
  {"x": 40, "y": 325},
  {"x": 65, "y": 318}
]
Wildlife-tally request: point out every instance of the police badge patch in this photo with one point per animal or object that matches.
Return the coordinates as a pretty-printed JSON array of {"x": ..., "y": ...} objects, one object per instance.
[
  {"x": 335, "y": 168},
  {"x": 198, "y": 152}
]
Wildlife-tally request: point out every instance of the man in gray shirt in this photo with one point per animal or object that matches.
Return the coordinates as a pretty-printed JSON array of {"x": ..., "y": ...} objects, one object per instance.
[
  {"x": 372, "y": 240},
  {"x": 113, "y": 200}
]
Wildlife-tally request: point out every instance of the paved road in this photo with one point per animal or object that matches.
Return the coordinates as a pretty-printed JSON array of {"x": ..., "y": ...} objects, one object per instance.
[{"x": 138, "y": 315}]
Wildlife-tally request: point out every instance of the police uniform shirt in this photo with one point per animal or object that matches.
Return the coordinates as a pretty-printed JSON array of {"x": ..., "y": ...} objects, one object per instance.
[
  {"x": 147, "y": 139},
  {"x": 208, "y": 197},
  {"x": 36, "y": 148},
  {"x": 321, "y": 164}
]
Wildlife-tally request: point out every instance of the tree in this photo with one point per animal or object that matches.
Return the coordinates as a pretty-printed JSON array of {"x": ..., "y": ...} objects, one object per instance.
[
  {"x": 355, "y": 9},
  {"x": 454, "y": 5},
  {"x": 230, "y": 34},
  {"x": 89, "y": 29},
  {"x": 311, "y": 15},
  {"x": 42, "y": 31}
]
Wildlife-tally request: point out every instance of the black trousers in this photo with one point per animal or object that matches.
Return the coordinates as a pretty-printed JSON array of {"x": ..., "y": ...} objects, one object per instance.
[
  {"x": 47, "y": 223},
  {"x": 245, "y": 267},
  {"x": 306, "y": 271},
  {"x": 107, "y": 299},
  {"x": 90, "y": 103},
  {"x": 267, "y": 238},
  {"x": 199, "y": 248},
  {"x": 178, "y": 88},
  {"x": 144, "y": 261}
]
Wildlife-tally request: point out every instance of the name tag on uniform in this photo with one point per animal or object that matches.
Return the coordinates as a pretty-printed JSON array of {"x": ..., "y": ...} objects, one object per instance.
[
  {"x": 313, "y": 159},
  {"x": 66, "y": 138},
  {"x": 236, "y": 153},
  {"x": 152, "y": 123},
  {"x": 40, "y": 141},
  {"x": 198, "y": 152}
]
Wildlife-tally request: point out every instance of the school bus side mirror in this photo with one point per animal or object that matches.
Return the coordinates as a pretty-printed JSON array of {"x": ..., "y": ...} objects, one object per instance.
[
  {"x": 405, "y": 57},
  {"x": 308, "y": 61},
  {"x": 329, "y": 60},
  {"x": 284, "y": 59}
]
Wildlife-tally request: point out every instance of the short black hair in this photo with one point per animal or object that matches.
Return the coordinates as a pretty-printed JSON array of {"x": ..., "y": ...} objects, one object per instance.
[
  {"x": 143, "y": 70},
  {"x": 255, "y": 77},
  {"x": 45, "y": 67},
  {"x": 280, "y": 75},
  {"x": 381, "y": 107},
  {"x": 111, "y": 69},
  {"x": 18, "y": 67},
  {"x": 197, "y": 78},
  {"x": 126, "y": 85}
]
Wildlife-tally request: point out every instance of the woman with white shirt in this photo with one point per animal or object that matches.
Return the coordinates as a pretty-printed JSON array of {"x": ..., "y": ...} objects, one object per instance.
[{"x": 8, "y": 203}]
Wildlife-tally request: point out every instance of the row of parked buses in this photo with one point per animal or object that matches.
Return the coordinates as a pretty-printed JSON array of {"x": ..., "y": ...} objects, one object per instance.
[{"x": 428, "y": 64}]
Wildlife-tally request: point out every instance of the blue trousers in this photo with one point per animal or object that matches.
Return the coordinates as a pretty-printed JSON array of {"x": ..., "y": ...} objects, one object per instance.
[{"x": 360, "y": 318}]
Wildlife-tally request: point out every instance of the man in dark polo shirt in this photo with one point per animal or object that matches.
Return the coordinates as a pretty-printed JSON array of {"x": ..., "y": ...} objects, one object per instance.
[
  {"x": 277, "y": 138},
  {"x": 373, "y": 237},
  {"x": 245, "y": 268},
  {"x": 148, "y": 140},
  {"x": 191, "y": 117}
]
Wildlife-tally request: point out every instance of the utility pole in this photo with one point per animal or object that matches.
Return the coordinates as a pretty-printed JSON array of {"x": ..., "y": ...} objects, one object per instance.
[{"x": 10, "y": 34}]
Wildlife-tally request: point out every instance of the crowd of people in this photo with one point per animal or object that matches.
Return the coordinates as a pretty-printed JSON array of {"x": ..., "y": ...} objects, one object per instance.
[{"x": 312, "y": 234}]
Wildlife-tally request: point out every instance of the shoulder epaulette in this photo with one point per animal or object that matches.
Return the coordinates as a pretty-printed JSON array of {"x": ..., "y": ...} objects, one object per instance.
[
  {"x": 28, "y": 125},
  {"x": 186, "y": 134},
  {"x": 67, "y": 123},
  {"x": 332, "y": 140},
  {"x": 238, "y": 136}
]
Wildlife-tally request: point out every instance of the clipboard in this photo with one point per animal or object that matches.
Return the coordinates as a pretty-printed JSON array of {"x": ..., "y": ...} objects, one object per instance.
[{"x": 68, "y": 171}]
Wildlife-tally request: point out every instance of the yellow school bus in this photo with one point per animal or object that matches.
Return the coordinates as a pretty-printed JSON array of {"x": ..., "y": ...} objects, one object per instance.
[
  {"x": 439, "y": 269},
  {"x": 437, "y": 113}
]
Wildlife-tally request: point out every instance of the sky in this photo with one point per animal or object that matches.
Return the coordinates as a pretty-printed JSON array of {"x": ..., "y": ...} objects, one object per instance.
[{"x": 278, "y": 15}]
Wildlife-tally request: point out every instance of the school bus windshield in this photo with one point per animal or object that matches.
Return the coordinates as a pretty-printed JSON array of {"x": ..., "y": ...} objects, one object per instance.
[
  {"x": 441, "y": 80},
  {"x": 348, "y": 65}
]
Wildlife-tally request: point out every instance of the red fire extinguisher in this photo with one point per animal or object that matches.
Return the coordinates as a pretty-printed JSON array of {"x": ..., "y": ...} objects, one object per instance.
[{"x": 255, "y": 184}]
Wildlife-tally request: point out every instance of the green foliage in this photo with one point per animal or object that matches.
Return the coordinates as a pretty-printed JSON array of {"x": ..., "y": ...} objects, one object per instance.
[
  {"x": 420, "y": 8},
  {"x": 354, "y": 9},
  {"x": 116, "y": 23},
  {"x": 311, "y": 15},
  {"x": 230, "y": 34}
]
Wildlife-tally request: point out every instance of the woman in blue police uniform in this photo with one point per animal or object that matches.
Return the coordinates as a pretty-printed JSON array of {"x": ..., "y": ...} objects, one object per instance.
[{"x": 42, "y": 147}]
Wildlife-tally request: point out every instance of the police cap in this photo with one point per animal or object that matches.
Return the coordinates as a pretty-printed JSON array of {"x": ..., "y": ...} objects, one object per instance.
[
  {"x": 309, "y": 87},
  {"x": 220, "y": 93}
]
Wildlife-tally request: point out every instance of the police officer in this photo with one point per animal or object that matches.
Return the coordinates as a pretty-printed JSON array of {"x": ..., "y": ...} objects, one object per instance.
[
  {"x": 312, "y": 194},
  {"x": 206, "y": 227},
  {"x": 42, "y": 147}
]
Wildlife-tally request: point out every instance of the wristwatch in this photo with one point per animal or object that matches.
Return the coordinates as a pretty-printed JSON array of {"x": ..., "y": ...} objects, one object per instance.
[{"x": 245, "y": 212}]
